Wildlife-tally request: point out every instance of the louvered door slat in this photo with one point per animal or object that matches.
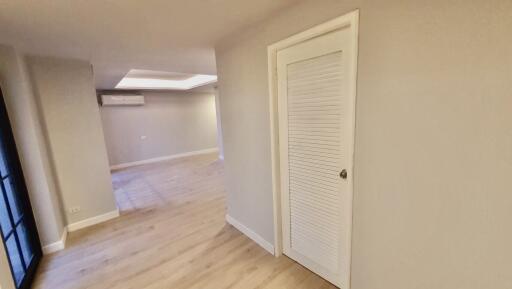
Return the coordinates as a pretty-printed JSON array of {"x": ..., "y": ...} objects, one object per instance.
[{"x": 318, "y": 169}]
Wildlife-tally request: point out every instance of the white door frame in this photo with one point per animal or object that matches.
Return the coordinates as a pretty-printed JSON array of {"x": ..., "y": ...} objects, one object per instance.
[{"x": 350, "y": 20}]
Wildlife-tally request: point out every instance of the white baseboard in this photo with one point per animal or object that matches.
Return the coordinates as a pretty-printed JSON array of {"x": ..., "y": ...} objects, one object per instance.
[
  {"x": 61, "y": 244},
  {"x": 251, "y": 234},
  {"x": 56, "y": 246},
  {"x": 93, "y": 221},
  {"x": 164, "y": 158}
]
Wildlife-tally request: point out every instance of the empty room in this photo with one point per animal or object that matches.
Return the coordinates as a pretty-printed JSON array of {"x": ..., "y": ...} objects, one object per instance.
[{"x": 305, "y": 144}]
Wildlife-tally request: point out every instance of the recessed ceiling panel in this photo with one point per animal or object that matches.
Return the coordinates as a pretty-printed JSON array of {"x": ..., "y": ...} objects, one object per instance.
[{"x": 163, "y": 80}]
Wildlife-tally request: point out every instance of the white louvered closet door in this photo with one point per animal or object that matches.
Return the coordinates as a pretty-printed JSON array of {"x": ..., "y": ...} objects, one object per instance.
[{"x": 316, "y": 139}]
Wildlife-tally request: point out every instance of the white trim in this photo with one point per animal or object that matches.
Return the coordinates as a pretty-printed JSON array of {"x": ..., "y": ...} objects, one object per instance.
[
  {"x": 56, "y": 246},
  {"x": 61, "y": 244},
  {"x": 93, "y": 221},
  {"x": 251, "y": 234},
  {"x": 274, "y": 148},
  {"x": 165, "y": 158},
  {"x": 348, "y": 20}
]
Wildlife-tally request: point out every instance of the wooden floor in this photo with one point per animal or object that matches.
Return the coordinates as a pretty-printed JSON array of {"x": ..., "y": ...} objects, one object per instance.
[{"x": 171, "y": 234}]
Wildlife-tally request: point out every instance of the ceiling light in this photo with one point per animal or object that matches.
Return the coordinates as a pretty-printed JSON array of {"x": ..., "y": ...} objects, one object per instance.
[{"x": 147, "y": 79}]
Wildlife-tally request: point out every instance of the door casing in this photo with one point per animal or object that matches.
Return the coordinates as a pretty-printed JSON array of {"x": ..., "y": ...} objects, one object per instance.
[{"x": 348, "y": 21}]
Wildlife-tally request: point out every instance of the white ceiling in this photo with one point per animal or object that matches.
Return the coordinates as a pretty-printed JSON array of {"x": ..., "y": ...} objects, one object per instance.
[{"x": 119, "y": 35}]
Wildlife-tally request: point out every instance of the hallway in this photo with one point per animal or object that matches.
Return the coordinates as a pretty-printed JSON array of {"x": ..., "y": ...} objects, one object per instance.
[{"x": 171, "y": 234}]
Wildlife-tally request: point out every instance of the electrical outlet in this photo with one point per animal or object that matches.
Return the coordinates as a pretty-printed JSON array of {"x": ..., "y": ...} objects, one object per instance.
[{"x": 74, "y": 210}]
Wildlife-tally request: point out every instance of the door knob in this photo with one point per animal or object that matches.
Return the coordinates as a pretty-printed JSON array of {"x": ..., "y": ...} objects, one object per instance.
[{"x": 343, "y": 174}]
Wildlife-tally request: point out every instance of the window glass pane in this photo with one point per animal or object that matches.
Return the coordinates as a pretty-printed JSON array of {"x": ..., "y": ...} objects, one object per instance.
[
  {"x": 26, "y": 248},
  {"x": 14, "y": 256},
  {"x": 3, "y": 164},
  {"x": 13, "y": 197},
  {"x": 4, "y": 216}
]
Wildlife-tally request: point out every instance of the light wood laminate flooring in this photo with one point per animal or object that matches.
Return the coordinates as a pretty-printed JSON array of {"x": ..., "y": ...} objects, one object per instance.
[{"x": 171, "y": 234}]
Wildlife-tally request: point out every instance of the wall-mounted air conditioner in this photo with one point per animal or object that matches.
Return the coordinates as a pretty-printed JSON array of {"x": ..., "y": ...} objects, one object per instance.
[{"x": 119, "y": 100}]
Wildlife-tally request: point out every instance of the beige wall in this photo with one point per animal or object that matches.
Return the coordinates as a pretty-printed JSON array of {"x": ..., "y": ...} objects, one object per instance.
[
  {"x": 32, "y": 149},
  {"x": 433, "y": 138},
  {"x": 172, "y": 122},
  {"x": 70, "y": 114},
  {"x": 219, "y": 124}
]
